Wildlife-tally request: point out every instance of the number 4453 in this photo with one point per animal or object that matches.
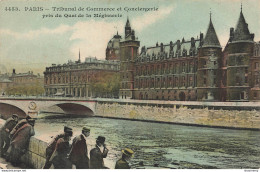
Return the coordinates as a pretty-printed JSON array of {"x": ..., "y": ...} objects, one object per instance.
[{"x": 12, "y": 9}]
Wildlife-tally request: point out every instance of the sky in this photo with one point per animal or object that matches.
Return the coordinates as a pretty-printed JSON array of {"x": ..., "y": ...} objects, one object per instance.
[{"x": 29, "y": 42}]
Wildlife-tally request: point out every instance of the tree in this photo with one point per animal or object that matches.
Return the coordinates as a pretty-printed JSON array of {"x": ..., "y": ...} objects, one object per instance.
[{"x": 105, "y": 84}]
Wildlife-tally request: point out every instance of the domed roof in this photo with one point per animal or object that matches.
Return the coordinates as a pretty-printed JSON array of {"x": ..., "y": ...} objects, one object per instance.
[{"x": 114, "y": 42}]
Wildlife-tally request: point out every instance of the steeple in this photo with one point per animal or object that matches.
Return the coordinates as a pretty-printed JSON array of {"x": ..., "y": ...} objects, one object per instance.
[
  {"x": 242, "y": 32},
  {"x": 128, "y": 30},
  {"x": 127, "y": 23},
  {"x": 79, "y": 55},
  {"x": 211, "y": 38}
]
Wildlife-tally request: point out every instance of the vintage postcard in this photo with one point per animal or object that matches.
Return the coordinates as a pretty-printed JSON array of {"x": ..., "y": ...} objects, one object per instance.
[{"x": 141, "y": 84}]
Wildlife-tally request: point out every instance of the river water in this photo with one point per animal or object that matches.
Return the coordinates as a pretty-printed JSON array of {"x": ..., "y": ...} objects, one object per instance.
[{"x": 158, "y": 145}]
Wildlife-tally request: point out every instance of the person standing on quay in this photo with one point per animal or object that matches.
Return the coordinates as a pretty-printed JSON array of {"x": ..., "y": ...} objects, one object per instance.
[
  {"x": 98, "y": 153},
  {"x": 79, "y": 150},
  {"x": 18, "y": 125},
  {"x": 20, "y": 141},
  {"x": 5, "y": 131},
  {"x": 51, "y": 146},
  {"x": 59, "y": 157},
  {"x": 122, "y": 162}
]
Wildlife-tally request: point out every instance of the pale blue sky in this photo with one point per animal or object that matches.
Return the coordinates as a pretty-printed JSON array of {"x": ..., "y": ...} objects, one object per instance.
[{"x": 28, "y": 42}]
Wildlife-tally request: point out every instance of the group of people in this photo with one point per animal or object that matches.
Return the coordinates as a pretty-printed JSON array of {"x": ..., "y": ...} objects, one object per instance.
[
  {"x": 15, "y": 137},
  {"x": 63, "y": 156}
]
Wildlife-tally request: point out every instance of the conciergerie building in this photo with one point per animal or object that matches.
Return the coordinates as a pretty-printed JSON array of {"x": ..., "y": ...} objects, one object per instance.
[{"x": 190, "y": 70}]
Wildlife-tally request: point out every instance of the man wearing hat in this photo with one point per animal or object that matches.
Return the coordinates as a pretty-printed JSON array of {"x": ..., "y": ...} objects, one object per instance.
[
  {"x": 5, "y": 131},
  {"x": 19, "y": 124},
  {"x": 122, "y": 163},
  {"x": 51, "y": 146},
  {"x": 98, "y": 153},
  {"x": 20, "y": 141},
  {"x": 79, "y": 151},
  {"x": 59, "y": 158}
]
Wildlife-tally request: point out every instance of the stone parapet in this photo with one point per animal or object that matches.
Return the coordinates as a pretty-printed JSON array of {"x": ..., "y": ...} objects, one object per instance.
[{"x": 202, "y": 117}]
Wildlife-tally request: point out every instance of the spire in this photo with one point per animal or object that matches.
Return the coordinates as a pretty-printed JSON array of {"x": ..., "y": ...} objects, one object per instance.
[
  {"x": 211, "y": 38},
  {"x": 79, "y": 55},
  {"x": 242, "y": 32},
  {"x": 127, "y": 23},
  {"x": 210, "y": 14},
  {"x": 241, "y": 7}
]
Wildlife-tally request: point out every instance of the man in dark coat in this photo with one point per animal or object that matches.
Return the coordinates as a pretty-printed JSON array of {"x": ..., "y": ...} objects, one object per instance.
[
  {"x": 20, "y": 141},
  {"x": 5, "y": 131},
  {"x": 19, "y": 124},
  {"x": 122, "y": 162},
  {"x": 59, "y": 157},
  {"x": 51, "y": 147},
  {"x": 79, "y": 151},
  {"x": 98, "y": 153}
]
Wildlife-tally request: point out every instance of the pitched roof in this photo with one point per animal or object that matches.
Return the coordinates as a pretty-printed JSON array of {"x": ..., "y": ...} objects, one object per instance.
[
  {"x": 211, "y": 38},
  {"x": 242, "y": 31}
]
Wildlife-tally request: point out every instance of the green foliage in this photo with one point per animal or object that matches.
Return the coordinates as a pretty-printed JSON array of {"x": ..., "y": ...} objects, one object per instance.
[
  {"x": 27, "y": 90},
  {"x": 105, "y": 84}
]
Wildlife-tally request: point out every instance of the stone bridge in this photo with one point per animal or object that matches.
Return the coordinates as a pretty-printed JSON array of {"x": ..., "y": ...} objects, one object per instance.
[{"x": 32, "y": 106}]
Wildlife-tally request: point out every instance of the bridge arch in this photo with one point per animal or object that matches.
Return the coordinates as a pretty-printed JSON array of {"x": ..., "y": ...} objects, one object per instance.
[
  {"x": 6, "y": 110},
  {"x": 74, "y": 109}
]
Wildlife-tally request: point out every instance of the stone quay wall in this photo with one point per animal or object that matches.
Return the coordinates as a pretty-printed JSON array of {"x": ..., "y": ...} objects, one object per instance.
[
  {"x": 35, "y": 154},
  {"x": 239, "y": 119}
]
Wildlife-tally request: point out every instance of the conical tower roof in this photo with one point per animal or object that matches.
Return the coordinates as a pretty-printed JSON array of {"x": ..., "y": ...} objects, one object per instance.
[
  {"x": 211, "y": 38},
  {"x": 242, "y": 32},
  {"x": 127, "y": 23}
]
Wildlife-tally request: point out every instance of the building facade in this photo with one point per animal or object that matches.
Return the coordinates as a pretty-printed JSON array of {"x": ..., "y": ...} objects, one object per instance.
[
  {"x": 73, "y": 78},
  {"x": 21, "y": 84},
  {"x": 28, "y": 78},
  {"x": 192, "y": 70}
]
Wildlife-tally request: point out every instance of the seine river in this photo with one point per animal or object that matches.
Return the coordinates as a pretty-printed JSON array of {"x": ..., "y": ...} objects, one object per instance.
[{"x": 158, "y": 145}]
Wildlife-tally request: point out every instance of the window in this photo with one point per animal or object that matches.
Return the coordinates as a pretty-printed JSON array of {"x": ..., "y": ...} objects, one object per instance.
[
  {"x": 183, "y": 66},
  {"x": 237, "y": 80},
  {"x": 170, "y": 82},
  {"x": 152, "y": 83},
  {"x": 205, "y": 81},
  {"x": 191, "y": 81},
  {"x": 256, "y": 65},
  {"x": 183, "y": 81},
  {"x": 176, "y": 82},
  {"x": 255, "y": 94}
]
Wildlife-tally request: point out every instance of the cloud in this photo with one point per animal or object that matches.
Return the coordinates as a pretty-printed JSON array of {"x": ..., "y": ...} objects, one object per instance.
[
  {"x": 35, "y": 33},
  {"x": 140, "y": 23},
  {"x": 92, "y": 36}
]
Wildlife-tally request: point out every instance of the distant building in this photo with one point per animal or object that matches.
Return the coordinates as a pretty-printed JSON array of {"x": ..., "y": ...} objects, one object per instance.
[
  {"x": 27, "y": 78},
  {"x": 21, "y": 83},
  {"x": 73, "y": 78},
  {"x": 5, "y": 83},
  {"x": 193, "y": 69}
]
